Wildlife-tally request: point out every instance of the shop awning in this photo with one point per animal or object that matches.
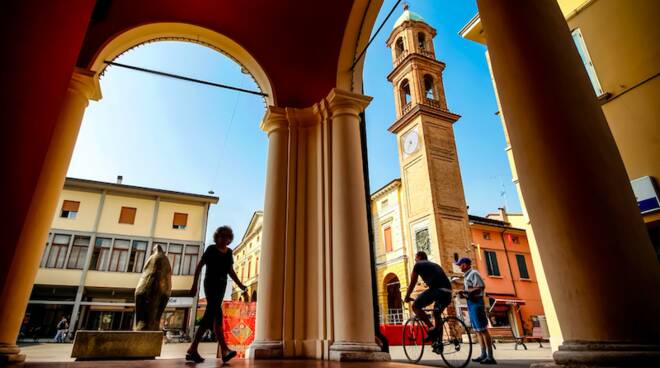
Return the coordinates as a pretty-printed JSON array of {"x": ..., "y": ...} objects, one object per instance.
[{"x": 502, "y": 305}]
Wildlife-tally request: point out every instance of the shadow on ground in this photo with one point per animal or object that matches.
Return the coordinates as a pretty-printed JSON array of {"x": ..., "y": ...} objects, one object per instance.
[{"x": 501, "y": 363}]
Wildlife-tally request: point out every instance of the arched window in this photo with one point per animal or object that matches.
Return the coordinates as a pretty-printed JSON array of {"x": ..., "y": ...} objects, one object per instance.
[
  {"x": 394, "y": 301},
  {"x": 404, "y": 92},
  {"x": 428, "y": 87},
  {"x": 398, "y": 46},
  {"x": 421, "y": 41}
]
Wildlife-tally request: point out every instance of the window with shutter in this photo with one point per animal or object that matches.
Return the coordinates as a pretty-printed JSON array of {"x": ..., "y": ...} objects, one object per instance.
[
  {"x": 70, "y": 209},
  {"x": 127, "y": 215},
  {"x": 492, "y": 267},
  {"x": 522, "y": 266},
  {"x": 180, "y": 220},
  {"x": 387, "y": 233}
]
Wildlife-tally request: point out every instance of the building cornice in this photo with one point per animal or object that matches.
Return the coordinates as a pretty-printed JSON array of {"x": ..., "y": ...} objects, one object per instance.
[
  {"x": 395, "y": 183},
  {"x": 484, "y": 221},
  {"x": 414, "y": 55},
  {"x": 113, "y": 188},
  {"x": 409, "y": 24}
]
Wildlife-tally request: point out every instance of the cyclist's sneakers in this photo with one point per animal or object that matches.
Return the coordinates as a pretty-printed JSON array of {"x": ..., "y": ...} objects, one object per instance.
[
  {"x": 488, "y": 360},
  {"x": 479, "y": 359},
  {"x": 432, "y": 334}
]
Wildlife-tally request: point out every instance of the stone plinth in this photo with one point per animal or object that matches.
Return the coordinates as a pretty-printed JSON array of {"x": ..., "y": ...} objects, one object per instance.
[
  {"x": 345, "y": 351},
  {"x": 96, "y": 345}
]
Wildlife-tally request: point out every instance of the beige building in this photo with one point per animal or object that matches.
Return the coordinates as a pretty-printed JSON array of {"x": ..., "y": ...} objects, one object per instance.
[
  {"x": 612, "y": 39},
  {"x": 246, "y": 259},
  {"x": 100, "y": 238}
]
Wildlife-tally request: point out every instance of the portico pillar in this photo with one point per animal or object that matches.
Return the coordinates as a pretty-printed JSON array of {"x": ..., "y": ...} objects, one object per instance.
[
  {"x": 588, "y": 227},
  {"x": 30, "y": 246},
  {"x": 268, "y": 338},
  {"x": 354, "y": 337}
]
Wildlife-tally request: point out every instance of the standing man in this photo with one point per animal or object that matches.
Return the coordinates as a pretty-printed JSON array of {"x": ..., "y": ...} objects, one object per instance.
[{"x": 474, "y": 292}]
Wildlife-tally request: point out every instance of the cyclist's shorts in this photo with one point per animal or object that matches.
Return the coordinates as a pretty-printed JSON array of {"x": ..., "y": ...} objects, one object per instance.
[
  {"x": 477, "y": 312},
  {"x": 439, "y": 297}
]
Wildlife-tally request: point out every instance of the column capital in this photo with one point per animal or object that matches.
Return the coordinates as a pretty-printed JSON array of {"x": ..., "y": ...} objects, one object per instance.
[
  {"x": 302, "y": 118},
  {"x": 86, "y": 82},
  {"x": 274, "y": 119},
  {"x": 345, "y": 102}
]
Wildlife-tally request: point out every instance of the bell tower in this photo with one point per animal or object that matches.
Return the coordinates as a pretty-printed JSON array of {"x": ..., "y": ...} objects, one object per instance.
[{"x": 434, "y": 208}]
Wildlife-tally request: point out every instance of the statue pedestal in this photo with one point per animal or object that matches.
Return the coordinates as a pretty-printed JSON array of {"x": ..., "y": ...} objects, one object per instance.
[{"x": 108, "y": 345}]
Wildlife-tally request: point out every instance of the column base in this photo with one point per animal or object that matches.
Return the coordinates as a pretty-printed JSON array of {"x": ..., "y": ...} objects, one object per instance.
[
  {"x": 265, "y": 350},
  {"x": 10, "y": 354},
  {"x": 343, "y": 351},
  {"x": 582, "y": 354}
]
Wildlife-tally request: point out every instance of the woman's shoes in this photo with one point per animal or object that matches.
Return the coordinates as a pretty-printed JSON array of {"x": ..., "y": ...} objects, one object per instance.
[
  {"x": 196, "y": 358},
  {"x": 227, "y": 357}
]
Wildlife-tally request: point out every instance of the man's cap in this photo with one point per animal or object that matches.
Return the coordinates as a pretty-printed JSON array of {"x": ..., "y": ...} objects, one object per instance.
[{"x": 464, "y": 260}]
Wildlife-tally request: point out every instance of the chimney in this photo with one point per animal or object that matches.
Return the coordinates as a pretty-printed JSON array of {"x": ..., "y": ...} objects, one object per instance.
[
  {"x": 503, "y": 215},
  {"x": 120, "y": 178}
]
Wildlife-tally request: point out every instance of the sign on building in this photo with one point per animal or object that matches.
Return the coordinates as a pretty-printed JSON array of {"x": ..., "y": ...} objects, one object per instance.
[{"x": 645, "y": 193}]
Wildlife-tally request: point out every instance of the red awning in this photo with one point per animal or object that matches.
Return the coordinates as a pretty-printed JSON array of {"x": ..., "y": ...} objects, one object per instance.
[{"x": 501, "y": 305}]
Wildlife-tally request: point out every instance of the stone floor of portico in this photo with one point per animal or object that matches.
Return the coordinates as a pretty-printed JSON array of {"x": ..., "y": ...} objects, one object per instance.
[{"x": 58, "y": 355}]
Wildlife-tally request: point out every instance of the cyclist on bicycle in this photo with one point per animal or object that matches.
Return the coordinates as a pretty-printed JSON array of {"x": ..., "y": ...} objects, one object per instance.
[{"x": 438, "y": 292}]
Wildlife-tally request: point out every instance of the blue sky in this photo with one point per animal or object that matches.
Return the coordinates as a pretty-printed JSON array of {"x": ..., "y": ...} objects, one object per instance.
[{"x": 175, "y": 135}]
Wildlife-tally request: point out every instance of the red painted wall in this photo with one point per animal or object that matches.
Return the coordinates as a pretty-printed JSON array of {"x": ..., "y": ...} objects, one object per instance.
[{"x": 40, "y": 43}]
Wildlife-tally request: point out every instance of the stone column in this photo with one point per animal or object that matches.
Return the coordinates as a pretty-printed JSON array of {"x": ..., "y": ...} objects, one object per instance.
[
  {"x": 589, "y": 230},
  {"x": 268, "y": 338},
  {"x": 20, "y": 278},
  {"x": 354, "y": 337}
]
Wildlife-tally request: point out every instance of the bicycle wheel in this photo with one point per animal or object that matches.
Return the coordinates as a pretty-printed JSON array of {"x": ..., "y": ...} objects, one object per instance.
[
  {"x": 414, "y": 332},
  {"x": 456, "y": 343}
]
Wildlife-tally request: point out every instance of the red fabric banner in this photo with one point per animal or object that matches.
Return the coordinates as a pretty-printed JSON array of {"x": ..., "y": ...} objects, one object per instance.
[{"x": 239, "y": 325}]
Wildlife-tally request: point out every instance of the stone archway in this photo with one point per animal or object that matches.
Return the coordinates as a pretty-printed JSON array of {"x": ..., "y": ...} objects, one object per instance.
[{"x": 154, "y": 32}]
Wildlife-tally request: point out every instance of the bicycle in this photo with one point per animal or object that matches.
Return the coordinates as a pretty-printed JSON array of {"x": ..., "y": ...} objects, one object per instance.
[{"x": 454, "y": 343}]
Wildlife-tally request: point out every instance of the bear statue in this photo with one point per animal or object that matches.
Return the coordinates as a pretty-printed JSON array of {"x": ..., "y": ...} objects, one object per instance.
[{"x": 153, "y": 291}]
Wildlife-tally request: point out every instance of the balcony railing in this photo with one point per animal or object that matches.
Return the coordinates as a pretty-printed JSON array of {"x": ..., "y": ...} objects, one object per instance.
[
  {"x": 394, "y": 317},
  {"x": 427, "y": 53},
  {"x": 405, "y": 53},
  {"x": 433, "y": 103},
  {"x": 406, "y": 108},
  {"x": 400, "y": 58}
]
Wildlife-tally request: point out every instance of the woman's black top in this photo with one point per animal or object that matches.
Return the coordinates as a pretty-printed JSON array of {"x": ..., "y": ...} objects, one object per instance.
[{"x": 218, "y": 264}]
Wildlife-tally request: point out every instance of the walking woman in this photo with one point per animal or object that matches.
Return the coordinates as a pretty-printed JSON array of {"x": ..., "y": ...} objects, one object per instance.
[{"x": 219, "y": 261}]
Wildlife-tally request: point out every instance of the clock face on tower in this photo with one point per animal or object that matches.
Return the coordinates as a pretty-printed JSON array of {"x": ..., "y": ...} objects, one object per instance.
[{"x": 410, "y": 142}]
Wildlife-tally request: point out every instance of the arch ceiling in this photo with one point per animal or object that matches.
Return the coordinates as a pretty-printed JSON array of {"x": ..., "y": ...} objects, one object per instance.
[{"x": 296, "y": 43}]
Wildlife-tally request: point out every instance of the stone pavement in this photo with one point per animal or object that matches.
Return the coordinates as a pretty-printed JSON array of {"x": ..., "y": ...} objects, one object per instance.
[{"x": 59, "y": 355}]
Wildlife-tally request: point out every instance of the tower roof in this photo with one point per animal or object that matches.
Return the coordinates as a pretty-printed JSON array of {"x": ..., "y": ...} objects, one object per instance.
[{"x": 408, "y": 15}]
